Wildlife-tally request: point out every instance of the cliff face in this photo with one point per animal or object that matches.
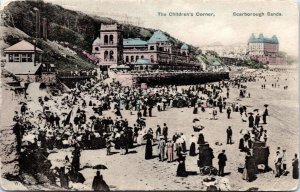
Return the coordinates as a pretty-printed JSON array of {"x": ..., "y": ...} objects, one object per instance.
[{"x": 8, "y": 143}]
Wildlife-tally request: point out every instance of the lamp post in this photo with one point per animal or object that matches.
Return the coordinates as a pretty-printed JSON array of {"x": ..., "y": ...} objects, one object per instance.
[{"x": 36, "y": 10}]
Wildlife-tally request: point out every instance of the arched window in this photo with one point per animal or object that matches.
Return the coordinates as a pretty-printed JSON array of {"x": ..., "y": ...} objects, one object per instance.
[
  {"x": 127, "y": 59},
  {"x": 132, "y": 58},
  {"x": 152, "y": 59},
  {"x": 111, "y": 39},
  {"x": 111, "y": 55},
  {"x": 105, "y": 55},
  {"x": 105, "y": 39},
  {"x": 136, "y": 58},
  {"x": 142, "y": 57},
  {"x": 96, "y": 48}
]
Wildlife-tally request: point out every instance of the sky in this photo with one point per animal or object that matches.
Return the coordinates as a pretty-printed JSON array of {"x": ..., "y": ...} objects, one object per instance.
[{"x": 223, "y": 27}]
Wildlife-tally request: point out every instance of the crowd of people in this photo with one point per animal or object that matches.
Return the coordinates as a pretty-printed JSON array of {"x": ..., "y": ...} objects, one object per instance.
[{"x": 76, "y": 120}]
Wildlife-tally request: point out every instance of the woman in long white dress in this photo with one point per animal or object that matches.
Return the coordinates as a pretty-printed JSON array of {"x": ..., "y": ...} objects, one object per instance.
[
  {"x": 244, "y": 117},
  {"x": 139, "y": 139}
]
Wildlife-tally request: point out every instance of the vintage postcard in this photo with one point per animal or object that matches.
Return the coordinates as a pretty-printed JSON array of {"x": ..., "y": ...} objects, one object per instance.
[{"x": 168, "y": 95}]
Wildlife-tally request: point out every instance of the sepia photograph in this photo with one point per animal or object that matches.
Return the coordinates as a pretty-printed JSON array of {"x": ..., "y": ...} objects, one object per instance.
[{"x": 156, "y": 95}]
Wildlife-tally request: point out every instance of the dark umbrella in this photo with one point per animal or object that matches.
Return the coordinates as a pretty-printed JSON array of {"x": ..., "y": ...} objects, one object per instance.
[
  {"x": 99, "y": 167},
  {"x": 266, "y": 105},
  {"x": 255, "y": 110},
  {"x": 196, "y": 119},
  {"x": 93, "y": 117},
  {"x": 250, "y": 113}
]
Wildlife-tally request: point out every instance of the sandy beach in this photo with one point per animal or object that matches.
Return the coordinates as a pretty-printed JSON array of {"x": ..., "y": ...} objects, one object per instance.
[{"x": 133, "y": 172}]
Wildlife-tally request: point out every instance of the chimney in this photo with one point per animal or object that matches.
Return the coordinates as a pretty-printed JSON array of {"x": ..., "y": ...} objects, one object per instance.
[{"x": 45, "y": 29}]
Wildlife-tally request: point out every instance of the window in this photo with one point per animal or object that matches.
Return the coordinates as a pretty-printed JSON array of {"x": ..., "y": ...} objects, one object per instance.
[
  {"x": 111, "y": 39},
  {"x": 105, "y": 55},
  {"x": 16, "y": 57},
  {"x": 96, "y": 48},
  {"x": 132, "y": 58},
  {"x": 29, "y": 58},
  {"x": 105, "y": 39},
  {"x": 137, "y": 57},
  {"x": 152, "y": 59},
  {"x": 24, "y": 57},
  {"x": 127, "y": 59},
  {"x": 111, "y": 55},
  {"x": 10, "y": 58},
  {"x": 151, "y": 47},
  {"x": 142, "y": 57}
]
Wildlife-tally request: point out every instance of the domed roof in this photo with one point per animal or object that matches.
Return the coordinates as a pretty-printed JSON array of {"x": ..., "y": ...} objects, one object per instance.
[
  {"x": 158, "y": 36},
  {"x": 274, "y": 38},
  {"x": 262, "y": 39},
  {"x": 184, "y": 46},
  {"x": 96, "y": 41},
  {"x": 252, "y": 38}
]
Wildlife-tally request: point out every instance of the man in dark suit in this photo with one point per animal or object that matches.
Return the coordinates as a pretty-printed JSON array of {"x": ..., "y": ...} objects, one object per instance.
[
  {"x": 165, "y": 131},
  {"x": 229, "y": 135},
  {"x": 251, "y": 120},
  {"x": 228, "y": 112},
  {"x": 222, "y": 162},
  {"x": 257, "y": 120}
]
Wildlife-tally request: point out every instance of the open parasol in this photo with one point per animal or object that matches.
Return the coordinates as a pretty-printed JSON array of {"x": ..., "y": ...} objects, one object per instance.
[
  {"x": 255, "y": 110},
  {"x": 266, "y": 105},
  {"x": 100, "y": 166}
]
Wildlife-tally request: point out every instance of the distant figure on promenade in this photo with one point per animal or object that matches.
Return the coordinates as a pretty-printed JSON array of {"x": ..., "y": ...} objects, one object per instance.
[
  {"x": 99, "y": 184},
  {"x": 250, "y": 169},
  {"x": 283, "y": 162},
  {"x": 165, "y": 132},
  {"x": 222, "y": 162},
  {"x": 214, "y": 113},
  {"x": 251, "y": 120},
  {"x": 193, "y": 141},
  {"x": 170, "y": 151},
  {"x": 278, "y": 162},
  {"x": 76, "y": 159},
  {"x": 181, "y": 170},
  {"x": 148, "y": 151},
  {"x": 295, "y": 164},
  {"x": 229, "y": 135},
  {"x": 257, "y": 120},
  {"x": 161, "y": 148},
  {"x": 157, "y": 132},
  {"x": 265, "y": 114},
  {"x": 228, "y": 112}
]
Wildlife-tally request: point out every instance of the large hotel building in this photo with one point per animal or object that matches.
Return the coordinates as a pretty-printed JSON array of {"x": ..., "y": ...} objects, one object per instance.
[
  {"x": 158, "y": 52},
  {"x": 265, "y": 50}
]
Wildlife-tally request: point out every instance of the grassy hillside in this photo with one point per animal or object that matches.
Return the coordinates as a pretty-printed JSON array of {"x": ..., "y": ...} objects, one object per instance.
[{"x": 75, "y": 28}]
